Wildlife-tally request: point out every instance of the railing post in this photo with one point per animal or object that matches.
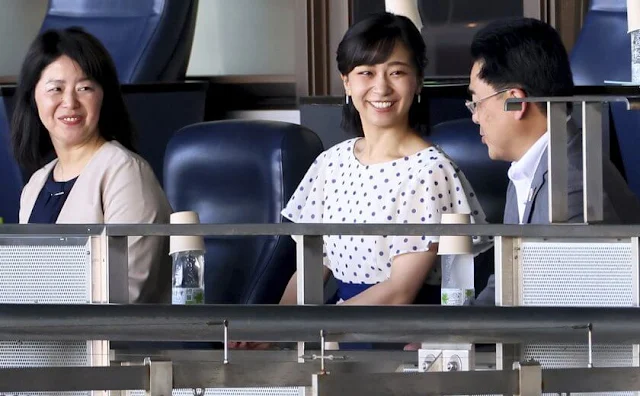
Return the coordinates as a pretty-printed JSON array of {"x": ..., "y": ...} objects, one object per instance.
[
  {"x": 529, "y": 378},
  {"x": 309, "y": 269},
  {"x": 558, "y": 162},
  {"x": 592, "y": 162},
  {"x": 117, "y": 266},
  {"x": 160, "y": 378}
]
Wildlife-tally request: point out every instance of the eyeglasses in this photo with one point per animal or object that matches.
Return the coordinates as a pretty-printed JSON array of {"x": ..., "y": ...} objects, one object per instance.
[{"x": 472, "y": 106}]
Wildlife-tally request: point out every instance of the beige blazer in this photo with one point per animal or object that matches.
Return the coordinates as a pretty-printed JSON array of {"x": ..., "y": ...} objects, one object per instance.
[{"x": 117, "y": 186}]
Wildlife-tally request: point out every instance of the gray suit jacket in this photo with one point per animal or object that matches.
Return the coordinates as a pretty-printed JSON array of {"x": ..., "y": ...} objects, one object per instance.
[{"x": 620, "y": 205}]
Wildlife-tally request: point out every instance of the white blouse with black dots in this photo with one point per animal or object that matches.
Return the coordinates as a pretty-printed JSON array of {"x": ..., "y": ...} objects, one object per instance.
[{"x": 416, "y": 189}]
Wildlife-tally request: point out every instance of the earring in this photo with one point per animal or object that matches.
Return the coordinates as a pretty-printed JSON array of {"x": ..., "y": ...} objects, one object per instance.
[
  {"x": 346, "y": 99},
  {"x": 418, "y": 98}
]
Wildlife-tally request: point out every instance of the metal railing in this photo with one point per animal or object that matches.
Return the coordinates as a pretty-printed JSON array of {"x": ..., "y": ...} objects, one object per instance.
[{"x": 305, "y": 323}]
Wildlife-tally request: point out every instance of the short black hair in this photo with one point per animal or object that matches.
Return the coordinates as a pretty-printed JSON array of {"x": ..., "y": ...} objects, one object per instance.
[
  {"x": 523, "y": 53},
  {"x": 30, "y": 139},
  {"x": 371, "y": 41}
]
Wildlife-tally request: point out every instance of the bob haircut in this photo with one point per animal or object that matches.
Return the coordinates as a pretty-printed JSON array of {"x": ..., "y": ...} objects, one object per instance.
[
  {"x": 30, "y": 139},
  {"x": 370, "y": 42}
]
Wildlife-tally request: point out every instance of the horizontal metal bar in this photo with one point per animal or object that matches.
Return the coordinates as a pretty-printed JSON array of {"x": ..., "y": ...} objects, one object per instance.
[
  {"x": 52, "y": 230},
  {"x": 546, "y": 231},
  {"x": 368, "y": 360},
  {"x": 510, "y": 230},
  {"x": 632, "y": 102},
  {"x": 235, "y": 375},
  {"x": 602, "y": 379},
  {"x": 59, "y": 379},
  {"x": 431, "y": 383},
  {"x": 282, "y": 323},
  {"x": 342, "y": 378},
  {"x": 372, "y": 360},
  {"x": 53, "y": 240}
]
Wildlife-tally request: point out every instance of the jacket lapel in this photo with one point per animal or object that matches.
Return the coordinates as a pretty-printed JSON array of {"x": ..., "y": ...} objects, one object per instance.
[
  {"x": 511, "y": 215},
  {"x": 32, "y": 190},
  {"x": 536, "y": 185}
]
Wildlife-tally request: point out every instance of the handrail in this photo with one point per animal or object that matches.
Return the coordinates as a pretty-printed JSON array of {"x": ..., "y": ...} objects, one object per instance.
[
  {"x": 510, "y": 230},
  {"x": 303, "y": 323}
]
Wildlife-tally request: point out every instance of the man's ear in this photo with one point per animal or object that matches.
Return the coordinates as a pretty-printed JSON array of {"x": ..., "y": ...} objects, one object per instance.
[{"x": 524, "y": 106}]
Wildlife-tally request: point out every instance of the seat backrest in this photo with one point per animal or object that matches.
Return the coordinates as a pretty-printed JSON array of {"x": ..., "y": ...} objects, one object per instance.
[
  {"x": 157, "y": 114},
  {"x": 603, "y": 48},
  {"x": 461, "y": 141},
  {"x": 149, "y": 40},
  {"x": 603, "y": 52},
  {"x": 238, "y": 171},
  {"x": 10, "y": 173}
]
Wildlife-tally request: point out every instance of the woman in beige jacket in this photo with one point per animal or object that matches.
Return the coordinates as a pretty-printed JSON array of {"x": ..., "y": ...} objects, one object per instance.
[{"x": 69, "y": 107}]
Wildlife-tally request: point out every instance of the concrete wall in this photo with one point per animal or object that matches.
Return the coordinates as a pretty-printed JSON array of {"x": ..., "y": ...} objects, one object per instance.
[
  {"x": 20, "y": 22},
  {"x": 239, "y": 37}
]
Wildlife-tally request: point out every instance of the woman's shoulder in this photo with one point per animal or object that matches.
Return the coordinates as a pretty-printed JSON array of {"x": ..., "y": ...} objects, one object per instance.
[
  {"x": 429, "y": 159},
  {"x": 338, "y": 153},
  {"x": 120, "y": 154},
  {"x": 114, "y": 155},
  {"x": 340, "y": 149},
  {"x": 122, "y": 167}
]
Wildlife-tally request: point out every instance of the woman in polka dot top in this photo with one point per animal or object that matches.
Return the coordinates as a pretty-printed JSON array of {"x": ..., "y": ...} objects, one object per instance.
[{"x": 388, "y": 174}]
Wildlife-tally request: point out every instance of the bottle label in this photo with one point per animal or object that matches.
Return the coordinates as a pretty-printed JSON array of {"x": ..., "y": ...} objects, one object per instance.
[
  {"x": 187, "y": 296},
  {"x": 456, "y": 296}
]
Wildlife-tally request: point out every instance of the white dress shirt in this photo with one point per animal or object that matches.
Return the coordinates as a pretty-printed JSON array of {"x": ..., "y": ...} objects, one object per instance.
[{"x": 521, "y": 172}]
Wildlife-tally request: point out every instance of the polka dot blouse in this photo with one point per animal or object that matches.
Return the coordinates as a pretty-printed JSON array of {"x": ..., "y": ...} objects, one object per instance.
[{"x": 416, "y": 189}]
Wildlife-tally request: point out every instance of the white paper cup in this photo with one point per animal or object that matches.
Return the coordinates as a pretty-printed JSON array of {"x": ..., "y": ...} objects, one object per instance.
[
  {"x": 183, "y": 243},
  {"x": 455, "y": 244}
]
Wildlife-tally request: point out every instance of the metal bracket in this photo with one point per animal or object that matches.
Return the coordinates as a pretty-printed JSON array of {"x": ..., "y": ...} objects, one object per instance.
[
  {"x": 529, "y": 377},
  {"x": 160, "y": 378},
  {"x": 225, "y": 323},
  {"x": 225, "y": 339},
  {"x": 446, "y": 357},
  {"x": 322, "y": 357},
  {"x": 429, "y": 361},
  {"x": 589, "y": 328}
]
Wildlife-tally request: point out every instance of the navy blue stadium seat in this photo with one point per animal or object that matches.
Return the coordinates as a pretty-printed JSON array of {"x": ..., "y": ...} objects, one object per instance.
[
  {"x": 461, "y": 141},
  {"x": 603, "y": 52},
  {"x": 238, "y": 171},
  {"x": 149, "y": 40},
  {"x": 10, "y": 174}
]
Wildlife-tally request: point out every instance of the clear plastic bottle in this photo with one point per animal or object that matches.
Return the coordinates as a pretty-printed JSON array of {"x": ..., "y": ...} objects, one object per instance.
[
  {"x": 457, "y": 279},
  {"x": 187, "y": 285}
]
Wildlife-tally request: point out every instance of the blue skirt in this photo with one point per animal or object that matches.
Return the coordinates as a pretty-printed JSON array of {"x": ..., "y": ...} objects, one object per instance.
[
  {"x": 346, "y": 291},
  {"x": 428, "y": 295}
]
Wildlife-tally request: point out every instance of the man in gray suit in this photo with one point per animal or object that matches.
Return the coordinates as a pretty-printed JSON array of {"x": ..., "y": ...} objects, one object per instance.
[{"x": 525, "y": 57}]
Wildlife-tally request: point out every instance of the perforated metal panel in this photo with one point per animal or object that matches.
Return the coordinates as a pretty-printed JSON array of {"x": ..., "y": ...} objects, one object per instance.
[
  {"x": 43, "y": 353},
  {"x": 577, "y": 274},
  {"x": 45, "y": 271},
  {"x": 573, "y": 356},
  {"x": 45, "y": 274},
  {"x": 284, "y": 391},
  {"x": 582, "y": 273}
]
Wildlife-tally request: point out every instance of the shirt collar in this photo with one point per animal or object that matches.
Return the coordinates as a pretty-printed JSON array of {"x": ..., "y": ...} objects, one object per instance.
[{"x": 526, "y": 167}]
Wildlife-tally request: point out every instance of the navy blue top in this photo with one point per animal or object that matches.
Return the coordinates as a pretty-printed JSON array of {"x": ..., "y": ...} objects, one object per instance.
[
  {"x": 428, "y": 294},
  {"x": 50, "y": 200}
]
